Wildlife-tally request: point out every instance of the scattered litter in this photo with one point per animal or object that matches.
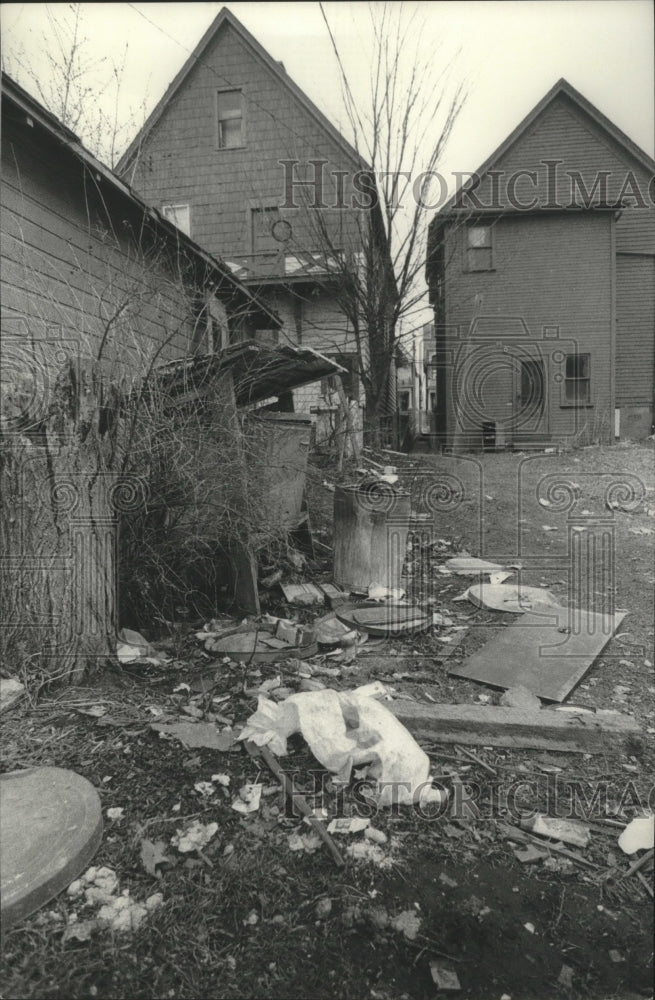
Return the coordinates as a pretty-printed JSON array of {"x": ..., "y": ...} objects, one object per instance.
[
  {"x": 565, "y": 977},
  {"x": 221, "y": 779},
  {"x": 444, "y": 977},
  {"x": 470, "y": 566},
  {"x": 11, "y": 690},
  {"x": 615, "y": 956},
  {"x": 367, "y": 852},
  {"x": 529, "y": 927},
  {"x": 97, "y": 885},
  {"x": 638, "y": 835},
  {"x": 330, "y": 631},
  {"x": 375, "y": 836},
  {"x": 195, "y": 837},
  {"x": 344, "y": 730},
  {"x": 567, "y": 830},
  {"x": 529, "y": 854},
  {"x": 197, "y": 734},
  {"x": 507, "y": 597},
  {"x": 378, "y": 592},
  {"x": 348, "y": 824},
  {"x": 119, "y": 913},
  {"x": 204, "y": 788},
  {"x": 261, "y": 646},
  {"x": 115, "y": 814},
  {"x": 248, "y": 800},
  {"x": 153, "y": 854},
  {"x": 303, "y": 594},
  {"x": 323, "y": 908},
  {"x": 407, "y": 923},
  {"x": 549, "y": 527},
  {"x": 309, "y": 842},
  {"x": 447, "y": 881}
]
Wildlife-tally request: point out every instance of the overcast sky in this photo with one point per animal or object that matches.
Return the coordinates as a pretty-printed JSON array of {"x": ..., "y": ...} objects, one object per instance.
[{"x": 507, "y": 53}]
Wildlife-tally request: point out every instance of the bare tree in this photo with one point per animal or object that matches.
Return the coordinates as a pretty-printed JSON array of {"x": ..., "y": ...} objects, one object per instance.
[
  {"x": 400, "y": 129},
  {"x": 81, "y": 89}
]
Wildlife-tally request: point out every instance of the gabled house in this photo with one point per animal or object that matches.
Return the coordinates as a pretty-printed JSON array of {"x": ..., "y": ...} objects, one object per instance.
[
  {"x": 541, "y": 271},
  {"x": 236, "y": 154}
]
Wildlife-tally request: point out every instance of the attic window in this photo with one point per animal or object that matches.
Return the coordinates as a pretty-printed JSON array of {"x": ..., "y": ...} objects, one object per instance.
[
  {"x": 229, "y": 115},
  {"x": 179, "y": 215},
  {"x": 479, "y": 250}
]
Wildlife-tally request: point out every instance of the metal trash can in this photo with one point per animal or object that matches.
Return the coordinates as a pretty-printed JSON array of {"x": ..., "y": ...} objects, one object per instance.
[{"x": 371, "y": 521}]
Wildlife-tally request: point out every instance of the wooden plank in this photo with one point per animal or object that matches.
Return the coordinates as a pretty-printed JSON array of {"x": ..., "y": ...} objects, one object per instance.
[
  {"x": 488, "y": 725},
  {"x": 546, "y": 652}
]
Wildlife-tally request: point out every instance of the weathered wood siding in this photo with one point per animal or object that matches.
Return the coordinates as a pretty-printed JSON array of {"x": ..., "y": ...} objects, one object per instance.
[
  {"x": 635, "y": 343},
  {"x": 77, "y": 268}
]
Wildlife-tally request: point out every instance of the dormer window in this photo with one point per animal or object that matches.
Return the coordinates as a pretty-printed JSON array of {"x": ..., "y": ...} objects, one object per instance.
[{"x": 229, "y": 115}]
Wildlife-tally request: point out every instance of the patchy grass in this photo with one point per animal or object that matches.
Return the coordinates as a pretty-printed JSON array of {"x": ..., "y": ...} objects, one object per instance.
[{"x": 242, "y": 921}]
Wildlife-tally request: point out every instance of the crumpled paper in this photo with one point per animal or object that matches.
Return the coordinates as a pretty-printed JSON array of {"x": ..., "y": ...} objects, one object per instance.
[{"x": 348, "y": 729}]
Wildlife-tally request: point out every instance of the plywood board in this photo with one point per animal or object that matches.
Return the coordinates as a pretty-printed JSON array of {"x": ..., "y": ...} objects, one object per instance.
[{"x": 547, "y": 651}]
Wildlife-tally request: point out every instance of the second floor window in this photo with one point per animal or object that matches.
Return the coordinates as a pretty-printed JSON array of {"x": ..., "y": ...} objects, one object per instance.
[
  {"x": 229, "y": 110},
  {"x": 479, "y": 248}
]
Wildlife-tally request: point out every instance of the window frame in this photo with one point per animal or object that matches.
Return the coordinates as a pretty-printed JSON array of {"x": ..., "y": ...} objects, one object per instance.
[
  {"x": 218, "y": 120},
  {"x": 469, "y": 249},
  {"x": 174, "y": 208},
  {"x": 577, "y": 380}
]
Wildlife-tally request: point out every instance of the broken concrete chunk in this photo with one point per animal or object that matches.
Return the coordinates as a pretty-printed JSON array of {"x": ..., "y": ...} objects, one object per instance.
[{"x": 444, "y": 977}]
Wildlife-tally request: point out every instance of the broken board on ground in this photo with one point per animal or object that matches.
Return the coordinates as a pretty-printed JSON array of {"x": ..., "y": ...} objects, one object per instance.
[
  {"x": 547, "y": 652},
  {"x": 582, "y": 731},
  {"x": 50, "y": 828}
]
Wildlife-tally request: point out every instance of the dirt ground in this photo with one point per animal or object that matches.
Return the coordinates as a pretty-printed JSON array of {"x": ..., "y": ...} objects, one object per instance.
[{"x": 248, "y": 916}]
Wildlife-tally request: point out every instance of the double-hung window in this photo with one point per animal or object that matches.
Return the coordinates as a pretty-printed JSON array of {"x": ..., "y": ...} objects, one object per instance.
[
  {"x": 479, "y": 248},
  {"x": 577, "y": 380},
  {"x": 231, "y": 125}
]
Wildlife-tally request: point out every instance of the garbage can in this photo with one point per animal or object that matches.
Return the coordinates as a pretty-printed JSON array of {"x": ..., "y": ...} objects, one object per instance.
[{"x": 371, "y": 521}]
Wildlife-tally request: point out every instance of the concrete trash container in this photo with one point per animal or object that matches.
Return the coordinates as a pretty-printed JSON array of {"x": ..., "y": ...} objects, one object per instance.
[{"x": 371, "y": 521}]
